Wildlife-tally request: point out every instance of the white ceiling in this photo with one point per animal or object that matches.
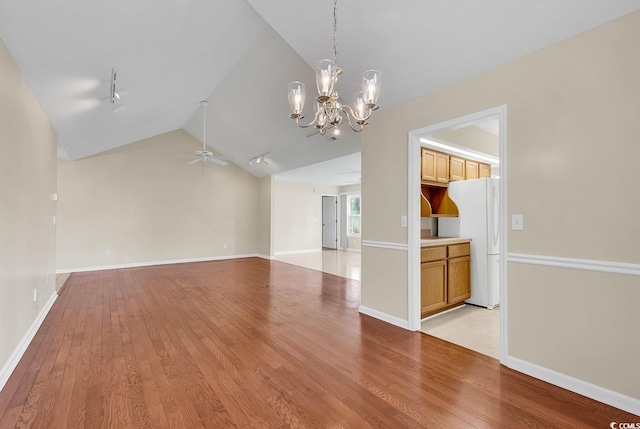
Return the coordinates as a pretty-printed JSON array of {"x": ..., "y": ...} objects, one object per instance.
[
  {"x": 335, "y": 172},
  {"x": 240, "y": 55}
]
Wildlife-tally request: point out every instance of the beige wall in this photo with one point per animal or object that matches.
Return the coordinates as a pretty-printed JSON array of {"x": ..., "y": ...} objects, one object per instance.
[
  {"x": 27, "y": 182},
  {"x": 297, "y": 211},
  {"x": 265, "y": 218},
  {"x": 472, "y": 138},
  {"x": 144, "y": 203},
  {"x": 572, "y": 171}
]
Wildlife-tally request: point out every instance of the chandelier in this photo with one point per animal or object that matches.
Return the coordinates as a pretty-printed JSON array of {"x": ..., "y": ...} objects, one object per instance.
[{"x": 329, "y": 111}]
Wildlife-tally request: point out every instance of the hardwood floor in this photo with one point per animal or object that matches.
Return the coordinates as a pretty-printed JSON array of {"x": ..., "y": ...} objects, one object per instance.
[{"x": 256, "y": 343}]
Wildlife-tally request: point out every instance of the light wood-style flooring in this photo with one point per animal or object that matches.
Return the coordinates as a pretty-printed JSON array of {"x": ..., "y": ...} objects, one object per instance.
[{"x": 257, "y": 343}]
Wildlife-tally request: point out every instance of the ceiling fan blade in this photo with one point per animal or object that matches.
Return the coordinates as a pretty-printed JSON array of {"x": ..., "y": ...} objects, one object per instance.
[
  {"x": 219, "y": 161},
  {"x": 194, "y": 161}
]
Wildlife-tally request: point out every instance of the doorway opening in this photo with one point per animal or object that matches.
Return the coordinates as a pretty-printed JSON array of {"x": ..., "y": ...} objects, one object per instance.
[
  {"x": 330, "y": 222},
  {"x": 480, "y": 321}
]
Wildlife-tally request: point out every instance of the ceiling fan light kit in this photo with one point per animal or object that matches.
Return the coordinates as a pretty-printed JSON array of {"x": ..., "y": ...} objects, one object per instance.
[{"x": 329, "y": 111}]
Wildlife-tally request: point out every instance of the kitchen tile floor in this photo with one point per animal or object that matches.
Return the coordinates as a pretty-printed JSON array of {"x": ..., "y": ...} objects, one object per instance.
[
  {"x": 337, "y": 262},
  {"x": 472, "y": 327}
]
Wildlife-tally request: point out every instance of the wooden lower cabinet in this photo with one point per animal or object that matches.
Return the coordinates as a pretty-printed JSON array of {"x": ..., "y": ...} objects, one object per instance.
[
  {"x": 434, "y": 296},
  {"x": 458, "y": 287},
  {"x": 445, "y": 276}
]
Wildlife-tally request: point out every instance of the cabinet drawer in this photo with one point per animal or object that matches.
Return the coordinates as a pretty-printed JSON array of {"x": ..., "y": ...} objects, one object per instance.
[
  {"x": 456, "y": 250},
  {"x": 428, "y": 254}
]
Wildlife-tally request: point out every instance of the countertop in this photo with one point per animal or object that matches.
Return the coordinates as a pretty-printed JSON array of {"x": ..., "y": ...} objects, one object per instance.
[{"x": 442, "y": 241}]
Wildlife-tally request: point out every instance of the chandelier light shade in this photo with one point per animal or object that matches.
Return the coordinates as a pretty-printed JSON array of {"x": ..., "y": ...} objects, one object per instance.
[
  {"x": 296, "y": 97},
  {"x": 328, "y": 110}
]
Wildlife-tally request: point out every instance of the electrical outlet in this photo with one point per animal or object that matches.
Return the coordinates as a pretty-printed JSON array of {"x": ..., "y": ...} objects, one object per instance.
[
  {"x": 225, "y": 245},
  {"x": 54, "y": 219},
  {"x": 403, "y": 221},
  {"x": 108, "y": 253},
  {"x": 35, "y": 294},
  {"x": 517, "y": 222}
]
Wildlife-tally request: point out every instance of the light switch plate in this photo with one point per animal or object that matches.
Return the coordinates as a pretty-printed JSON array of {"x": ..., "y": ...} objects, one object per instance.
[
  {"x": 403, "y": 221},
  {"x": 517, "y": 222}
]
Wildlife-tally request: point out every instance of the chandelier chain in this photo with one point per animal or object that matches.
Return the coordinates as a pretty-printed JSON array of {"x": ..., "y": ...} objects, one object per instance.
[{"x": 335, "y": 32}]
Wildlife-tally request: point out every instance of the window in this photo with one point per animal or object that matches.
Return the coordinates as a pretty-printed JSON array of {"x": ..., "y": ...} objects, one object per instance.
[{"x": 353, "y": 216}]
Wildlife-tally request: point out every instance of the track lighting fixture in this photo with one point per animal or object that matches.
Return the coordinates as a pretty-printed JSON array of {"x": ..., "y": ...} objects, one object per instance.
[
  {"x": 116, "y": 94},
  {"x": 259, "y": 159}
]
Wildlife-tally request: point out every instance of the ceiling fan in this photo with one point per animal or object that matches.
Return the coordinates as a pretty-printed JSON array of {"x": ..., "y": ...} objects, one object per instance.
[{"x": 204, "y": 155}]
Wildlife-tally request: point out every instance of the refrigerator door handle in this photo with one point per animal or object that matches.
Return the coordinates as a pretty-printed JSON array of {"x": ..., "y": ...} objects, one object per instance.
[{"x": 495, "y": 215}]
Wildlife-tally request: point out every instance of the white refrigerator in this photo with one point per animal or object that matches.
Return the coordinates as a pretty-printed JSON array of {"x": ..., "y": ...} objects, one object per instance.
[{"x": 477, "y": 202}]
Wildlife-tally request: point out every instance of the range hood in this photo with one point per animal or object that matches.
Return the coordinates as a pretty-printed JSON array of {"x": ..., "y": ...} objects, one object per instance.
[{"x": 435, "y": 202}]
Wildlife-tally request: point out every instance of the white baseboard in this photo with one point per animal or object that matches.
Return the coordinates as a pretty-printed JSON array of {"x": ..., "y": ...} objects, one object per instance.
[
  {"x": 15, "y": 357},
  {"x": 384, "y": 317},
  {"x": 296, "y": 252},
  {"x": 152, "y": 263},
  {"x": 351, "y": 249},
  {"x": 609, "y": 397},
  {"x": 260, "y": 255}
]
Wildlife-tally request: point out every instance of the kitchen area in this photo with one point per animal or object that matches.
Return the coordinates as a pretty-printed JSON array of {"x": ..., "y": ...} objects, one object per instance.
[{"x": 459, "y": 254}]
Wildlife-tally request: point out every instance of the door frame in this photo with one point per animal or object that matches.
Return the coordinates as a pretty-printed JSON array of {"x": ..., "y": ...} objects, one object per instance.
[
  {"x": 338, "y": 223},
  {"x": 413, "y": 231}
]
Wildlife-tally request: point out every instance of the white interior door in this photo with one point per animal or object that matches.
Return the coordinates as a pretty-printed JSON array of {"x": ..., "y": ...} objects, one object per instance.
[{"x": 330, "y": 222}]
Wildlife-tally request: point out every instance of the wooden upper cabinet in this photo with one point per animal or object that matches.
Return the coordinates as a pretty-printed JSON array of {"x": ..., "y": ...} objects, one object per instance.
[
  {"x": 485, "y": 170},
  {"x": 428, "y": 173},
  {"x": 456, "y": 168},
  {"x": 472, "y": 169},
  {"x": 442, "y": 167}
]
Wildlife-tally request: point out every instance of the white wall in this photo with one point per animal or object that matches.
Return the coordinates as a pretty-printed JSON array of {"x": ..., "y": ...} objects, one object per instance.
[
  {"x": 143, "y": 203},
  {"x": 27, "y": 233}
]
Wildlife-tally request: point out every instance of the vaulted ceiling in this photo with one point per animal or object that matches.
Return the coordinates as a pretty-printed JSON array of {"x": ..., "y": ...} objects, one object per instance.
[{"x": 240, "y": 55}]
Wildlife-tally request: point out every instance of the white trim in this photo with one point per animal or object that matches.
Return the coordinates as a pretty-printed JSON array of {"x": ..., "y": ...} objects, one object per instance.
[
  {"x": 442, "y": 312},
  {"x": 18, "y": 352},
  {"x": 152, "y": 263},
  {"x": 384, "y": 317},
  {"x": 383, "y": 245},
  {"x": 259, "y": 255},
  {"x": 609, "y": 397},
  {"x": 351, "y": 249},
  {"x": 296, "y": 252},
  {"x": 577, "y": 264}
]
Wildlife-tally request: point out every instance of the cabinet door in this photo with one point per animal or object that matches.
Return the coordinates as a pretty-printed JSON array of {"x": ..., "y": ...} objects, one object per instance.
[
  {"x": 485, "y": 170},
  {"x": 433, "y": 286},
  {"x": 459, "y": 287},
  {"x": 442, "y": 167},
  {"x": 456, "y": 168},
  {"x": 428, "y": 165},
  {"x": 472, "y": 169}
]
